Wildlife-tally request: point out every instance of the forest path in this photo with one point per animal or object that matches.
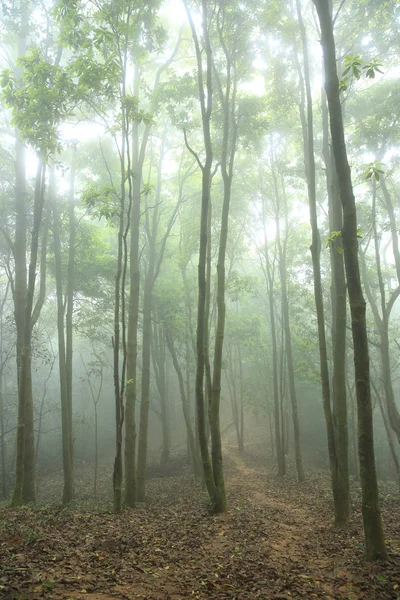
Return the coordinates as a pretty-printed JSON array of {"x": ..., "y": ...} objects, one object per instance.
[
  {"x": 296, "y": 531},
  {"x": 275, "y": 542}
]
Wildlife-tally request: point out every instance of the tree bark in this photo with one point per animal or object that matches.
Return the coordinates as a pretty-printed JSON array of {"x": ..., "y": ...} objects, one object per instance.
[
  {"x": 206, "y": 95},
  {"x": 286, "y": 326},
  {"x": 339, "y": 331},
  {"x": 137, "y": 160},
  {"x": 270, "y": 291},
  {"x": 62, "y": 363},
  {"x": 185, "y": 404},
  {"x": 373, "y": 529},
  {"x": 70, "y": 307},
  {"x": 306, "y": 117}
]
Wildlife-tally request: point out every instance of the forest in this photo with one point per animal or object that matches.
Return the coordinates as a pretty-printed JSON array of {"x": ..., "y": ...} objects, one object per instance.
[{"x": 199, "y": 299}]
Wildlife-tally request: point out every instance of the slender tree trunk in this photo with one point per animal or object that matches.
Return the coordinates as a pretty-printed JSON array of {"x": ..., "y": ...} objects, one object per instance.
[
  {"x": 382, "y": 318},
  {"x": 373, "y": 529},
  {"x": 119, "y": 317},
  {"x": 230, "y": 376},
  {"x": 3, "y": 362},
  {"x": 188, "y": 391},
  {"x": 145, "y": 388},
  {"x": 385, "y": 420},
  {"x": 96, "y": 451},
  {"x": 65, "y": 416},
  {"x": 241, "y": 403},
  {"x": 271, "y": 434},
  {"x": 25, "y": 483},
  {"x": 306, "y": 117},
  {"x": 20, "y": 292},
  {"x": 4, "y": 487},
  {"x": 287, "y": 330},
  {"x": 185, "y": 404},
  {"x": 136, "y": 161},
  {"x": 150, "y": 279},
  {"x": 70, "y": 308},
  {"x": 207, "y": 320},
  {"x": 162, "y": 390},
  {"x": 133, "y": 316},
  {"x": 353, "y": 430},
  {"x": 278, "y": 425},
  {"x": 339, "y": 329}
]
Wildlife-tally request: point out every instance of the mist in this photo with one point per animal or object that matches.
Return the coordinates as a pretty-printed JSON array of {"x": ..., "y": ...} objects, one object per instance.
[{"x": 199, "y": 283}]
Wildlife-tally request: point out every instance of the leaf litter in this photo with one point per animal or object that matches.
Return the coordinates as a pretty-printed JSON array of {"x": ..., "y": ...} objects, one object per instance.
[{"x": 276, "y": 542}]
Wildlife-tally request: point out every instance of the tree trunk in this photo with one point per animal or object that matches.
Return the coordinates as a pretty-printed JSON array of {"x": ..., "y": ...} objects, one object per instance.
[
  {"x": 150, "y": 279},
  {"x": 70, "y": 307},
  {"x": 373, "y": 529},
  {"x": 241, "y": 402},
  {"x": 145, "y": 387},
  {"x": 133, "y": 310},
  {"x": 158, "y": 358},
  {"x": 306, "y": 117},
  {"x": 339, "y": 330},
  {"x": 65, "y": 413},
  {"x": 20, "y": 291},
  {"x": 353, "y": 430},
  {"x": 287, "y": 330},
  {"x": 185, "y": 404},
  {"x": 230, "y": 375},
  {"x": 4, "y": 486},
  {"x": 3, "y": 363},
  {"x": 119, "y": 316},
  {"x": 278, "y": 425},
  {"x": 25, "y": 488},
  {"x": 392, "y": 448},
  {"x": 205, "y": 93}
]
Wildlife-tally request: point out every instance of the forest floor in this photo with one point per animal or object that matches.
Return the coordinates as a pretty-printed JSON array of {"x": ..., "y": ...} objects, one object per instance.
[{"x": 275, "y": 542}]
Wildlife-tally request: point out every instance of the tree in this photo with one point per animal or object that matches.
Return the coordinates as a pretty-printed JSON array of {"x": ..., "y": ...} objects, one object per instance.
[
  {"x": 205, "y": 88},
  {"x": 336, "y": 430},
  {"x": 52, "y": 89},
  {"x": 374, "y": 539},
  {"x": 65, "y": 384},
  {"x": 282, "y": 249},
  {"x": 153, "y": 269}
]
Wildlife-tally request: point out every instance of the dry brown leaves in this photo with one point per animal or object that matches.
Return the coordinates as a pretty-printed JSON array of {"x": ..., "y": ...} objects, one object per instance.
[{"x": 275, "y": 542}]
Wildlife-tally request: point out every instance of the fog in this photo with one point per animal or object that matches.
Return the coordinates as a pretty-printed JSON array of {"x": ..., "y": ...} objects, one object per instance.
[{"x": 199, "y": 282}]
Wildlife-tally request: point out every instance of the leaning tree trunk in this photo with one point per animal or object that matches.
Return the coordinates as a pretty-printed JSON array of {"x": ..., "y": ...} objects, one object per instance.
[{"x": 373, "y": 529}]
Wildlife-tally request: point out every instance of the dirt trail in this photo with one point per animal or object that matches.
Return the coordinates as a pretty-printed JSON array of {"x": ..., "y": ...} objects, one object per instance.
[{"x": 275, "y": 542}]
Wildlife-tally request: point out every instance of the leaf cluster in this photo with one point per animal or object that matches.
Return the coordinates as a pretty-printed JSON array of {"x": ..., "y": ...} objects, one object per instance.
[
  {"x": 354, "y": 68},
  {"x": 41, "y": 98}
]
